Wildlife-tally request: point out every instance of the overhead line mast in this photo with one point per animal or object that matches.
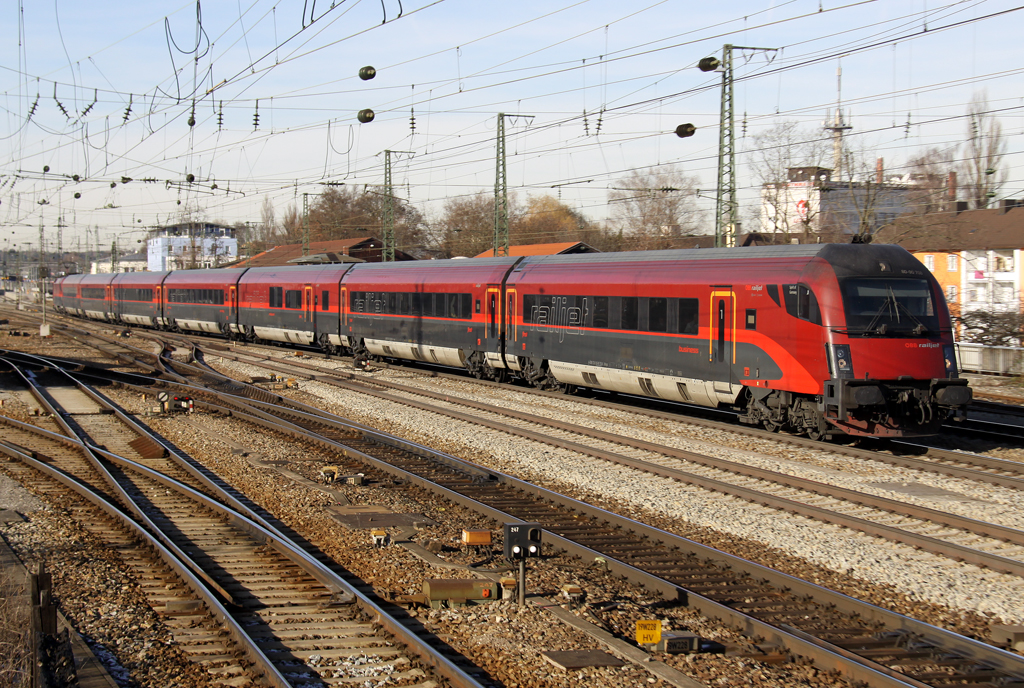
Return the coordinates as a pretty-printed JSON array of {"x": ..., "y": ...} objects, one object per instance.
[
  {"x": 501, "y": 193},
  {"x": 726, "y": 205},
  {"x": 501, "y": 190}
]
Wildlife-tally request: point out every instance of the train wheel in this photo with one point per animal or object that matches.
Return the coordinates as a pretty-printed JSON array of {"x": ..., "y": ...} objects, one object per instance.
[
  {"x": 771, "y": 426},
  {"x": 476, "y": 366}
]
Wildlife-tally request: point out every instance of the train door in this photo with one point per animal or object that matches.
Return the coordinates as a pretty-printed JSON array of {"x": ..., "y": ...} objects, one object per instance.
[
  {"x": 723, "y": 344},
  {"x": 511, "y": 333},
  {"x": 343, "y": 309},
  {"x": 233, "y": 307},
  {"x": 116, "y": 303},
  {"x": 492, "y": 318},
  {"x": 310, "y": 311},
  {"x": 492, "y": 312}
]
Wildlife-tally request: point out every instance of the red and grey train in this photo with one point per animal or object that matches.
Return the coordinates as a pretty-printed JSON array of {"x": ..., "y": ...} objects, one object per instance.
[{"x": 821, "y": 339}]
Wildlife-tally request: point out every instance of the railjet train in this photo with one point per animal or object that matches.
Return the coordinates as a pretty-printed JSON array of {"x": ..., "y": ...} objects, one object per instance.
[{"x": 823, "y": 339}]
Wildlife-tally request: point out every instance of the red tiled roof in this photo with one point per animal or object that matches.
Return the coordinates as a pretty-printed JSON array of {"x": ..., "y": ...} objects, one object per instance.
[
  {"x": 543, "y": 249},
  {"x": 280, "y": 255}
]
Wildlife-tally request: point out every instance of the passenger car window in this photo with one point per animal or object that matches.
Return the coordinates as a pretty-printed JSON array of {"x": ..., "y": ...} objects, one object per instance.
[
  {"x": 689, "y": 310},
  {"x": 600, "y": 311},
  {"x": 657, "y": 315},
  {"x": 630, "y": 313}
]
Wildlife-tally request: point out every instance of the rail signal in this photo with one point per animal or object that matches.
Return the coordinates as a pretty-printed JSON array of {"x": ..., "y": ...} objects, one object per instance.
[{"x": 522, "y": 540}]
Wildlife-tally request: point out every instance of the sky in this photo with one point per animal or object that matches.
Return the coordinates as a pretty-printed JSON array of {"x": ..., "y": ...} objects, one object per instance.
[{"x": 97, "y": 99}]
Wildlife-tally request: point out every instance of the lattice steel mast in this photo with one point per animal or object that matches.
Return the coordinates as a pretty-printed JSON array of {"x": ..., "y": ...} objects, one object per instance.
[{"x": 726, "y": 205}]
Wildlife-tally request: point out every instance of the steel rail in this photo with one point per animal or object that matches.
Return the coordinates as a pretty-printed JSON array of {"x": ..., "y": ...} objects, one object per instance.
[
  {"x": 314, "y": 415},
  {"x": 197, "y": 584},
  {"x": 935, "y": 545},
  {"x": 1013, "y": 481},
  {"x": 966, "y": 646},
  {"x": 272, "y": 537},
  {"x": 826, "y": 655},
  {"x": 981, "y": 528},
  {"x": 991, "y": 463}
]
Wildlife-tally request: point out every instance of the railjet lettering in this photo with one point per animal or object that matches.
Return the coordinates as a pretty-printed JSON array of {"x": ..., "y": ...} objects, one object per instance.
[{"x": 560, "y": 317}]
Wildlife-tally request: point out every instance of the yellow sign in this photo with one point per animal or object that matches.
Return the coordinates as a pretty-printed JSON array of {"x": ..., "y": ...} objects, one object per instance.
[{"x": 648, "y": 632}]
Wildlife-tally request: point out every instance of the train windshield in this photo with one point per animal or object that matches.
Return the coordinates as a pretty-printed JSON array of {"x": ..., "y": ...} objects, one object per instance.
[{"x": 889, "y": 307}]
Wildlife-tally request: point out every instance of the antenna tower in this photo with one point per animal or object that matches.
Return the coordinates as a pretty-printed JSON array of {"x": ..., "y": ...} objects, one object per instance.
[{"x": 837, "y": 127}]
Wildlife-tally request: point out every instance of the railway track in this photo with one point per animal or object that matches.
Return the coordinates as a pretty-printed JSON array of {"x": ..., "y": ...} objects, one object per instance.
[
  {"x": 632, "y": 556},
  {"x": 905, "y": 454},
  {"x": 802, "y": 617},
  {"x": 279, "y": 606},
  {"x": 984, "y": 544}
]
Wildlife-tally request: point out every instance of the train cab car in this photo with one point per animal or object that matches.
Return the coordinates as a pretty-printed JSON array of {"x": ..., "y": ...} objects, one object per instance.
[
  {"x": 787, "y": 335},
  {"x": 200, "y": 300},
  {"x": 889, "y": 349},
  {"x": 446, "y": 312},
  {"x": 138, "y": 298},
  {"x": 292, "y": 304}
]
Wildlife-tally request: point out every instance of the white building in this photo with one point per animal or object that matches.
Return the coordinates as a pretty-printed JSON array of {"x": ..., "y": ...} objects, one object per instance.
[
  {"x": 191, "y": 245},
  {"x": 135, "y": 262},
  {"x": 809, "y": 202}
]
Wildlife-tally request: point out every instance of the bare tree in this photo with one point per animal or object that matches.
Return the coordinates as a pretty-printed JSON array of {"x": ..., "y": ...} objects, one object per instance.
[
  {"x": 291, "y": 225},
  {"x": 929, "y": 174},
  {"x": 983, "y": 153},
  {"x": 348, "y": 213},
  {"x": 466, "y": 226},
  {"x": 267, "y": 231},
  {"x": 992, "y": 329},
  {"x": 787, "y": 210},
  {"x": 651, "y": 208},
  {"x": 546, "y": 220}
]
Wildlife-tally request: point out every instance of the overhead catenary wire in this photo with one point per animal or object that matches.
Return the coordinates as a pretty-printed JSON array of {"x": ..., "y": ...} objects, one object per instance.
[{"x": 365, "y": 168}]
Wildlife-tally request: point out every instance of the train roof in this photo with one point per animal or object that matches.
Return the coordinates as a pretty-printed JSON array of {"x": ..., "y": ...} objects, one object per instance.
[
  {"x": 214, "y": 277},
  {"x": 444, "y": 264},
  {"x": 141, "y": 277},
  {"x": 843, "y": 257}
]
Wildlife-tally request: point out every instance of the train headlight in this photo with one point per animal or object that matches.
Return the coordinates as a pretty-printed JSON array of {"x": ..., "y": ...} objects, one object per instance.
[
  {"x": 954, "y": 395},
  {"x": 869, "y": 395},
  {"x": 949, "y": 356}
]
